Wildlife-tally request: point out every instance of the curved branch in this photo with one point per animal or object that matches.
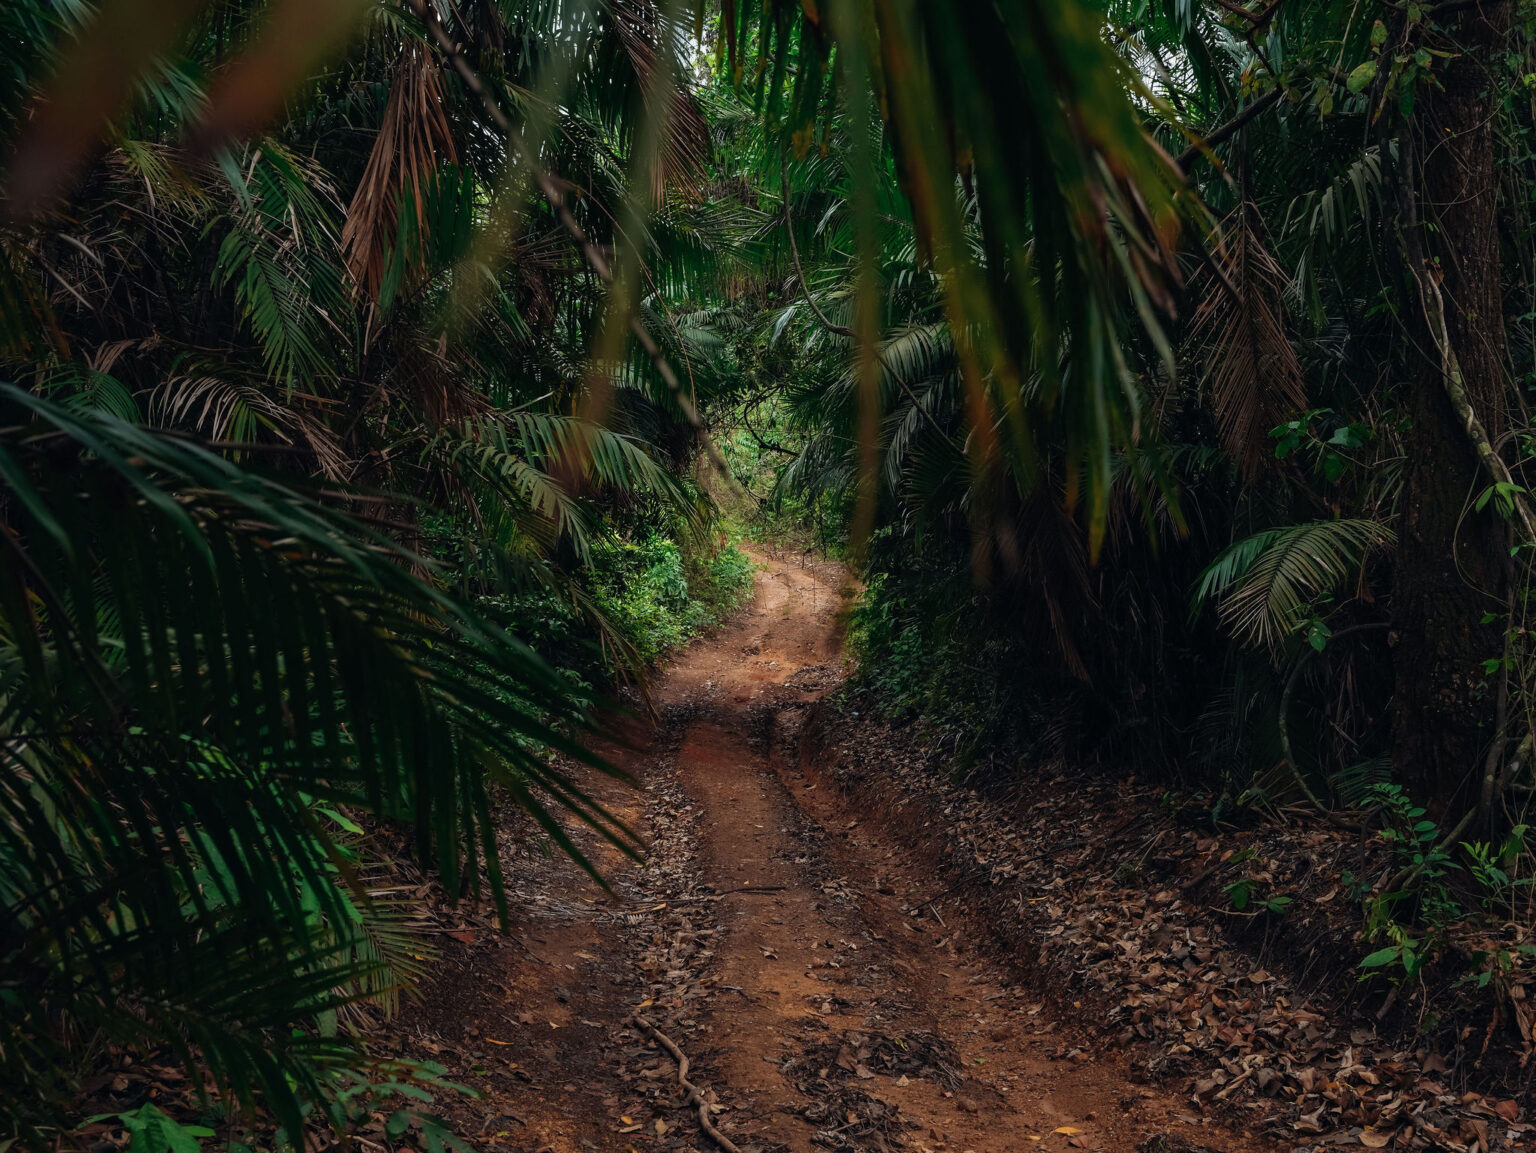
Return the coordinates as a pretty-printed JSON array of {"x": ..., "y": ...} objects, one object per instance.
[
  {"x": 1285, "y": 731},
  {"x": 694, "y": 1098},
  {"x": 766, "y": 445}
]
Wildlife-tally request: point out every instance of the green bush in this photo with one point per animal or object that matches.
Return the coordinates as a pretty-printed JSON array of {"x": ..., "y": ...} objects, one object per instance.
[{"x": 659, "y": 597}]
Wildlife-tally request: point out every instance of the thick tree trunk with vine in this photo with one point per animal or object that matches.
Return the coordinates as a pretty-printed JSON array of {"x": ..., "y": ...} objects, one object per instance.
[{"x": 1452, "y": 562}]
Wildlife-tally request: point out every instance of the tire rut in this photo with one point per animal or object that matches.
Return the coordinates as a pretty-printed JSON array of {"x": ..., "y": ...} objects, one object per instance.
[
  {"x": 827, "y": 991},
  {"x": 853, "y": 1006}
]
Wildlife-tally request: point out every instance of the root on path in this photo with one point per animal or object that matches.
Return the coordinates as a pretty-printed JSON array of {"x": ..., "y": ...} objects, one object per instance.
[{"x": 695, "y": 1097}]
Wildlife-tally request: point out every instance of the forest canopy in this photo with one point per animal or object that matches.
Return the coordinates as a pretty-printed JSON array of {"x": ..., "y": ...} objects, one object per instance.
[{"x": 385, "y": 381}]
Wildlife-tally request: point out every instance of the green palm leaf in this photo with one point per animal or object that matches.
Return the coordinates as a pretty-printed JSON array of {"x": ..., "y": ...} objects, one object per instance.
[
  {"x": 1266, "y": 583},
  {"x": 191, "y": 656}
]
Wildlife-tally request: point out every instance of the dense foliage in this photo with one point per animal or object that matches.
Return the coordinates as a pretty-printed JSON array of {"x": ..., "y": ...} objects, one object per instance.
[
  {"x": 1303, "y": 585},
  {"x": 375, "y": 372}
]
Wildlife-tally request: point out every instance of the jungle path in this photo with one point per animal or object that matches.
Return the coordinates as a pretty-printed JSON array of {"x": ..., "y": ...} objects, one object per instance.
[{"x": 827, "y": 990}]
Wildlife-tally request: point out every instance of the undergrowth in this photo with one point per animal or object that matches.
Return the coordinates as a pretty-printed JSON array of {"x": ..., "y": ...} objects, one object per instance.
[
  {"x": 661, "y": 596},
  {"x": 1441, "y": 919}
]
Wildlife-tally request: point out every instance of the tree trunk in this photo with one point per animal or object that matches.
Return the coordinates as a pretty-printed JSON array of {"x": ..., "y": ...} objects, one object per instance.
[{"x": 1452, "y": 562}]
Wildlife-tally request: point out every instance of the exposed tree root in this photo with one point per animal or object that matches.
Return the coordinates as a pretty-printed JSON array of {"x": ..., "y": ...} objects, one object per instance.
[{"x": 694, "y": 1098}]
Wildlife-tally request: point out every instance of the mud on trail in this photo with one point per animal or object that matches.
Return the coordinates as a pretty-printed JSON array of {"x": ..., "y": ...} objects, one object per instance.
[{"x": 827, "y": 990}]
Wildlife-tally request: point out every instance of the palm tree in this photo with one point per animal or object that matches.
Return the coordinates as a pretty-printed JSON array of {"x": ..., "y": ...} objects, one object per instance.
[
  {"x": 205, "y": 669},
  {"x": 305, "y": 331},
  {"x": 258, "y": 385}
]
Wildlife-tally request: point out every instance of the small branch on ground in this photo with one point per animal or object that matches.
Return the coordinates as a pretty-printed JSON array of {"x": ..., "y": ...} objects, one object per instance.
[
  {"x": 729, "y": 892},
  {"x": 694, "y": 1098}
]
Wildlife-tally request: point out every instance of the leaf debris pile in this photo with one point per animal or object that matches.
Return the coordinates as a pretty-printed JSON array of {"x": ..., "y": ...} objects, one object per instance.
[
  {"x": 1133, "y": 914},
  {"x": 828, "y": 1073}
]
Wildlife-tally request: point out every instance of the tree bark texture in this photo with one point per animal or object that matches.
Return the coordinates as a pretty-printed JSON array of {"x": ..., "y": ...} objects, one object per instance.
[{"x": 1452, "y": 561}]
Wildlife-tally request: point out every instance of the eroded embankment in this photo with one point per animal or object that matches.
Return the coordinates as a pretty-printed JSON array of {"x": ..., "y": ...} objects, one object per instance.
[{"x": 1091, "y": 888}]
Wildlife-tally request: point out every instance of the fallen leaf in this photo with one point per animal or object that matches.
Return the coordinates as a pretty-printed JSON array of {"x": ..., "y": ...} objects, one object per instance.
[
  {"x": 1068, "y": 1131},
  {"x": 1375, "y": 1138},
  {"x": 661, "y": 1127}
]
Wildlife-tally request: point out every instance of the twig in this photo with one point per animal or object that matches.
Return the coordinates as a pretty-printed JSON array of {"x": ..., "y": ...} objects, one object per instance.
[
  {"x": 523, "y": 945},
  {"x": 729, "y": 892},
  {"x": 694, "y": 1098},
  {"x": 491, "y": 1120},
  {"x": 1234, "y": 1083}
]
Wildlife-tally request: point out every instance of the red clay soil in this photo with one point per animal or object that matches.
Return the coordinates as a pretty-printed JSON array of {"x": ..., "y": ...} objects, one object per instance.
[{"x": 827, "y": 990}]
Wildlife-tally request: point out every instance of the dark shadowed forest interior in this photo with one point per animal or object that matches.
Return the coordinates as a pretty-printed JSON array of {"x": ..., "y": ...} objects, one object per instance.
[{"x": 767, "y": 575}]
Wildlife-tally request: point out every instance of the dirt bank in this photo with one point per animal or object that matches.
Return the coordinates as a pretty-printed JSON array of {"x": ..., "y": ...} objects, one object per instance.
[{"x": 1126, "y": 909}]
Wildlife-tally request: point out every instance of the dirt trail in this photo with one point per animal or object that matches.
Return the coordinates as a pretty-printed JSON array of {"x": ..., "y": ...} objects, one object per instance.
[{"x": 828, "y": 992}]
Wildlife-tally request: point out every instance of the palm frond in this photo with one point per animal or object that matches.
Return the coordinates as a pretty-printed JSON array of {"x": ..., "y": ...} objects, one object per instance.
[
  {"x": 413, "y": 142},
  {"x": 1251, "y": 369},
  {"x": 191, "y": 656},
  {"x": 223, "y": 409},
  {"x": 1267, "y": 583},
  {"x": 542, "y": 462},
  {"x": 277, "y": 258}
]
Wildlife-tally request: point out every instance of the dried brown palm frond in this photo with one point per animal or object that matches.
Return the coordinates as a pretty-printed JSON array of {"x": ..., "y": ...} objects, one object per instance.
[
  {"x": 1254, "y": 378},
  {"x": 436, "y": 385},
  {"x": 684, "y": 145},
  {"x": 230, "y": 410},
  {"x": 414, "y": 141}
]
